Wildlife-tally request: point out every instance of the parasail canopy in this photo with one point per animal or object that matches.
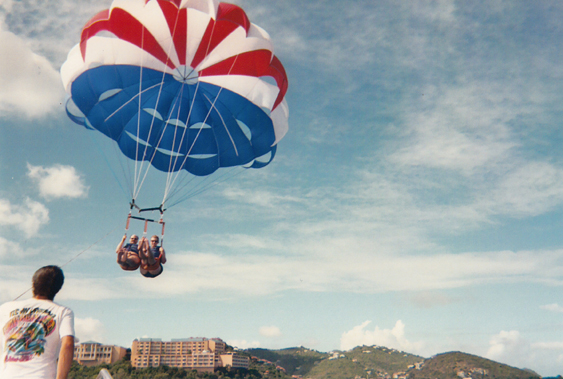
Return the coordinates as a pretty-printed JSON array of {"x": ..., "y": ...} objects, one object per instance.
[{"x": 185, "y": 85}]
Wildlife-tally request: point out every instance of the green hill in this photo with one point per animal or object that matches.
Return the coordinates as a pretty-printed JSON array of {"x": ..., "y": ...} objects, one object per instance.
[
  {"x": 295, "y": 360},
  {"x": 456, "y": 365},
  {"x": 372, "y": 361},
  {"x": 367, "y": 362}
]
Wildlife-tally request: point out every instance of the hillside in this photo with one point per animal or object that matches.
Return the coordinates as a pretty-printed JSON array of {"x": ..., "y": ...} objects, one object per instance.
[
  {"x": 367, "y": 362},
  {"x": 456, "y": 365},
  {"x": 375, "y": 361},
  {"x": 295, "y": 361}
]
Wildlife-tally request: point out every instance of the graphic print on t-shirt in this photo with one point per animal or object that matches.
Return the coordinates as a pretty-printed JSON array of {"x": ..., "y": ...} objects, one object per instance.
[{"x": 26, "y": 333}]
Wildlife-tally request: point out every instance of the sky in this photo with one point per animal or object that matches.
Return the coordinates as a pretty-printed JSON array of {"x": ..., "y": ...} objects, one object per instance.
[{"x": 416, "y": 201}]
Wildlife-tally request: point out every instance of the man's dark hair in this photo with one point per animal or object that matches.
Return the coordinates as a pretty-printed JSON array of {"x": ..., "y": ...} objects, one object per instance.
[{"x": 47, "y": 281}]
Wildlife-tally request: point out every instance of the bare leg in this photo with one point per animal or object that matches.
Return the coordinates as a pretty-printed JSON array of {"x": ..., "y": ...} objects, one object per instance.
[
  {"x": 150, "y": 257},
  {"x": 143, "y": 248},
  {"x": 121, "y": 256}
]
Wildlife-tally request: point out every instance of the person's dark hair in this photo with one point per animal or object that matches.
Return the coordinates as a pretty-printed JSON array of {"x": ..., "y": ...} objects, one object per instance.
[{"x": 47, "y": 281}]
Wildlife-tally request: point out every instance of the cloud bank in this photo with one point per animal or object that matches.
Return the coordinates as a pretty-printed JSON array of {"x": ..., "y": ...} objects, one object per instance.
[
  {"x": 553, "y": 307},
  {"x": 270, "y": 331},
  {"x": 510, "y": 347},
  {"x": 243, "y": 344},
  {"x": 58, "y": 181},
  {"x": 28, "y": 217},
  {"x": 29, "y": 85},
  {"x": 392, "y": 338},
  {"x": 89, "y": 329}
]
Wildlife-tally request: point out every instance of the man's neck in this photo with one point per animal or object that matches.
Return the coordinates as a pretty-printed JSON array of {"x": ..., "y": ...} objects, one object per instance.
[{"x": 39, "y": 297}]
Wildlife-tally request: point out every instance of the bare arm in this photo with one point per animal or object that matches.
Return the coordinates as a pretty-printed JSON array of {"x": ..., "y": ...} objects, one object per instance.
[
  {"x": 121, "y": 243},
  {"x": 162, "y": 256},
  {"x": 65, "y": 357}
]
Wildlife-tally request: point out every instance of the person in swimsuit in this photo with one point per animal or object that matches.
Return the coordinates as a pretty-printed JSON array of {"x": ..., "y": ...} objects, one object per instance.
[
  {"x": 128, "y": 254},
  {"x": 152, "y": 257}
]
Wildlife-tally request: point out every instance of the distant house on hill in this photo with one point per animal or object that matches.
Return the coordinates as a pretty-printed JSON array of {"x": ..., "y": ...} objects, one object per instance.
[
  {"x": 336, "y": 355},
  {"x": 93, "y": 353},
  {"x": 201, "y": 354}
]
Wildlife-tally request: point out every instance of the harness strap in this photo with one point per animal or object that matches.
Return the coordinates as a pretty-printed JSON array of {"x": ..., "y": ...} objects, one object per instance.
[
  {"x": 127, "y": 224},
  {"x": 146, "y": 220}
]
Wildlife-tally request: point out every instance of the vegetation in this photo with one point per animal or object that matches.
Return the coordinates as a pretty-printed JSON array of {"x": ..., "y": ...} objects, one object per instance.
[
  {"x": 124, "y": 370},
  {"x": 362, "y": 362},
  {"x": 373, "y": 361},
  {"x": 295, "y": 360},
  {"x": 458, "y": 365}
]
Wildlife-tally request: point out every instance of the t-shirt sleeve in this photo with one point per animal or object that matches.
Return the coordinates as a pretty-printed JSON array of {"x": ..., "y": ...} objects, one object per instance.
[{"x": 67, "y": 324}]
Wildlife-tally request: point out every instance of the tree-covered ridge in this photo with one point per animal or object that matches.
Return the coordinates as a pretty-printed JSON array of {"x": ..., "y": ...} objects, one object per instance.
[
  {"x": 362, "y": 362},
  {"x": 295, "y": 360},
  {"x": 385, "y": 363},
  {"x": 456, "y": 365},
  {"x": 124, "y": 370}
]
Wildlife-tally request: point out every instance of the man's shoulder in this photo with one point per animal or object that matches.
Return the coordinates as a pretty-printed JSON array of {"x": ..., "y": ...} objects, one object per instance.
[{"x": 13, "y": 304}]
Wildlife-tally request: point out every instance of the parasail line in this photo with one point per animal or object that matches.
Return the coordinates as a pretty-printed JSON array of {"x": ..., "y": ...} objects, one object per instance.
[
  {"x": 172, "y": 159},
  {"x": 224, "y": 124},
  {"x": 76, "y": 256},
  {"x": 156, "y": 106},
  {"x": 216, "y": 181},
  {"x": 130, "y": 100},
  {"x": 136, "y": 181},
  {"x": 169, "y": 181},
  {"x": 150, "y": 132},
  {"x": 212, "y": 107},
  {"x": 191, "y": 147},
  {"x": 108, "y": 164}
]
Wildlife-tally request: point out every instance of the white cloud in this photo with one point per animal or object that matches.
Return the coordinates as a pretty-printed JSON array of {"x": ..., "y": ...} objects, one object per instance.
[
  {"x": 28, "y": 217},
  {"x": 270, "y": 331},
  {"x": 10, "y": 249},
  {"x": 15, "y": 282},
  {"x": 553, "y": 307},
  {"x": 527, "y": 190},
  {"x": 243, "y": 344},
  {"x": 511, "y": 348},
  {"x": 507, "y": 345},
  {"x": 393, "y": 338},
  {"x": 58, "y": 181},
  {"x": 335, "y": 265},
  {"x": 89, "y": 329},
  {"x": 29, "y": 84},
  {"x": 259, "y": 197},
  {"x": 95, "y": 289},
  {"x": 558, "y": 345},
  {"x": 6, "y": 5},
  {"x": 460, "y": 129},
  {"x": 243, "y": 241}
]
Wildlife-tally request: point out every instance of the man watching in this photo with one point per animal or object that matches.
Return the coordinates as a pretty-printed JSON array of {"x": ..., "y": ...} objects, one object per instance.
[{"x": 37, "y": 335}]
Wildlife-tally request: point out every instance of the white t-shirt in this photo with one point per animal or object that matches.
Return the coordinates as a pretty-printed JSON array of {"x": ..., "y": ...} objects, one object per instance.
[{"x": 30, "y": 338}]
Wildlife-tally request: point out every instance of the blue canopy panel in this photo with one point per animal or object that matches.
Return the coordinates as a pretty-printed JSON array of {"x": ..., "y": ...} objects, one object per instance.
[{"x": 197, "y": 127}]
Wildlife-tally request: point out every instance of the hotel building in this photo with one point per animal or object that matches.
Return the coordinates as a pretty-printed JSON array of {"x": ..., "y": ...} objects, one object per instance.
[
  {"x": 93, "y": 353},
  {"x": 201, "y": 354}
]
